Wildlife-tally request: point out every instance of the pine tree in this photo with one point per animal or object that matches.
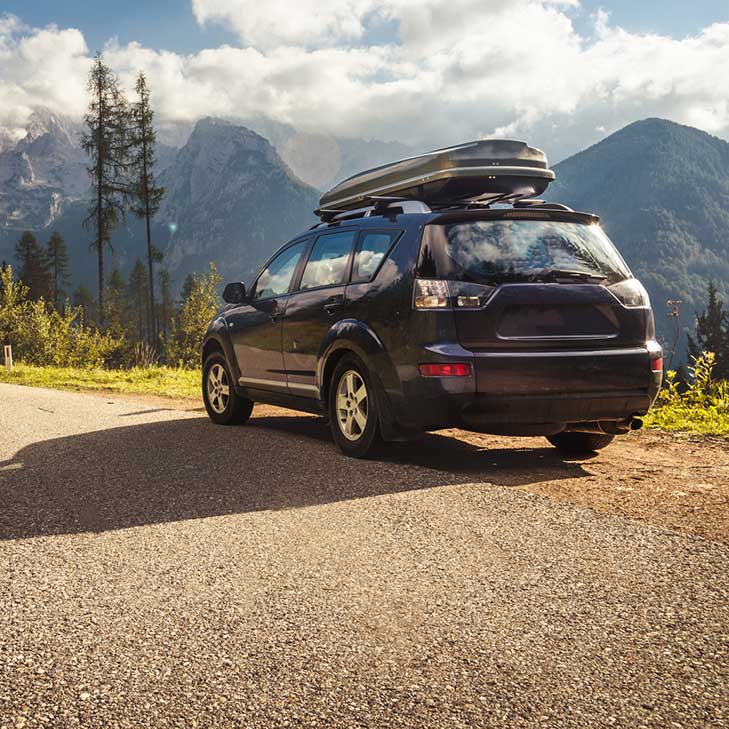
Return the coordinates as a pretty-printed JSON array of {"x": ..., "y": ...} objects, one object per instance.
[
  {"x": 138, "y": 298},
  {"x": 145, "y": 196},
  {"x": 188, "y": 285},
  {"x": 166, "y": 306},
  {"x": 117, "y": 314},
  {"x": 712, "y": 333},
  {"x": 82, "y": 297},
  {"x": 107, "y": 144},
  {"x": 32, "y": 266},
  {"x": 57, "y": 257}
]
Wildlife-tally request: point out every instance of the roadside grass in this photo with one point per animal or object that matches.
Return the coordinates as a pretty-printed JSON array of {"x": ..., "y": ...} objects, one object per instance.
[{"x": 162, "y": 381}]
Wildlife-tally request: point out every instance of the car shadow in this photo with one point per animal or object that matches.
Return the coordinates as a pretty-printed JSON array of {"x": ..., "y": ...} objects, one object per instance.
[{"x": 189, "y": 468}]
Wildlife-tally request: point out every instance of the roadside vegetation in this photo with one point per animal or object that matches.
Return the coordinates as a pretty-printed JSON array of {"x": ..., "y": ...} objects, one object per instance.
[
  {"x": 700, "y": 405},
  {"x": 155, "y": 380}
]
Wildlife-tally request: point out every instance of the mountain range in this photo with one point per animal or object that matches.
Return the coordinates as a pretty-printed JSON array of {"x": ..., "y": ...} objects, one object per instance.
[{"x": 235, "y": 193}]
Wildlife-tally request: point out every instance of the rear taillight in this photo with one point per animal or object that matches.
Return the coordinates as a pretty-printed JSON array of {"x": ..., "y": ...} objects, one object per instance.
[
  {"x": 438, "y": 369},
  {"x": 631, "y": 294},
  {"x": 657, "y": 365},
  {"x": 431, "y": 293}
]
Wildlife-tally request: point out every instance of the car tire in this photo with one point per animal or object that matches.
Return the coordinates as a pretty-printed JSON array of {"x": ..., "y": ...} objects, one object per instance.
[
  {"x": 580, "y": 443},
  {"x": 224, "y": 406},
  {"x": 353, "y": 415}
]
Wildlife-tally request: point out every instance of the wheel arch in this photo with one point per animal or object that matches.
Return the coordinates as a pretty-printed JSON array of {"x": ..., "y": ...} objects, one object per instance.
[{"x": 351, "y": 336}]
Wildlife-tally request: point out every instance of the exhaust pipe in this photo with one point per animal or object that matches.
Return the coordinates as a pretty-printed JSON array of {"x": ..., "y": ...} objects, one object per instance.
[{"x": 607, "y": 427}]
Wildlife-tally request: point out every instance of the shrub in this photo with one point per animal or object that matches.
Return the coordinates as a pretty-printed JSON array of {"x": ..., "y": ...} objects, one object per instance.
[
  {"x": 201, "y": 304},
  {"x": 41, "y": 335},
  {"x": 702, "y": 407}
]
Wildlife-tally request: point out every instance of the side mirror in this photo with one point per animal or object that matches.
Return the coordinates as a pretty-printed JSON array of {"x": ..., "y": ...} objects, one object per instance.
[{"x": 234, "y": 293}]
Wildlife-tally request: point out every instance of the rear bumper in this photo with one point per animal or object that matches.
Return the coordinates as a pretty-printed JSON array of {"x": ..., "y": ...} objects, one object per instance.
[
  {"x": 554, "y": 408},
  {"x": 531, "y": 389}
]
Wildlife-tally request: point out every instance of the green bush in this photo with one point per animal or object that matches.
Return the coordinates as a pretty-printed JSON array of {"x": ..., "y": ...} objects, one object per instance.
[
  {"x": 41, "y": 335},
  {"x": 201, "y": 304},
  {"x": 702, "y": 408}
]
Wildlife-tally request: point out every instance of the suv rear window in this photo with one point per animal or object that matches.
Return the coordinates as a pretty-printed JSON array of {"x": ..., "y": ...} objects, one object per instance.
[{"x": 493, "y": 252}]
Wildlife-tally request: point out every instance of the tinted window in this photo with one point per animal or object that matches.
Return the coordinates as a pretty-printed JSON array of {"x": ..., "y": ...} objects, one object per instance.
[
  {"x": 327, "y": 264},
  {"x": 501, "y": 251},
  {"x": 372, "y": 248},
  {"x": 276, "y": 278}
]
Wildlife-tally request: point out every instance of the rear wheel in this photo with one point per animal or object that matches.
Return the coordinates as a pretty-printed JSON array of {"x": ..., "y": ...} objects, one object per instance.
[
  {"x": 578, "y": 443},
  {"x": 353, "y": 415},
  {"x": 223, "y": 405}
]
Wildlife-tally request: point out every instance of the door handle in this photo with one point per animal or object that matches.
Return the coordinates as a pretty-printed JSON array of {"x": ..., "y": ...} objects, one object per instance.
[{"x": 333, "y": 304}]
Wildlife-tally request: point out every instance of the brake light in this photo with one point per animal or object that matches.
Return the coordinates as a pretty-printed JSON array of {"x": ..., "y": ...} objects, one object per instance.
[
  {"x": 438, "y": 369},
  {"x": 657, "y": 365}
]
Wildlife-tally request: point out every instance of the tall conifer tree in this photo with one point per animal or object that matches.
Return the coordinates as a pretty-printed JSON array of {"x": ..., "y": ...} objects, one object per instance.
[
  {"x": 712, "y": 332},
  {"x": 138, "y": 297},
  {"x": 82, "y": 297},
  {"x": 106, "y": 141},
  {"x": 167, "y": 304},
  {"x": 145, "y": 194},
  {"x": 32, "y": 266},
  {"x": 57, "y": 259}
]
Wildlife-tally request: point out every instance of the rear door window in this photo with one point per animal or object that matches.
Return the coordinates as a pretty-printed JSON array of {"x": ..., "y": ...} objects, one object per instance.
[
  {"x": 329, "y": 260},
  {"x": 372, "y": 248}
]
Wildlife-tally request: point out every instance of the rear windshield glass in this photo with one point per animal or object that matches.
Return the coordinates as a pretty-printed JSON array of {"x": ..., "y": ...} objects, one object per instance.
[{"x": 513, "y": 251}]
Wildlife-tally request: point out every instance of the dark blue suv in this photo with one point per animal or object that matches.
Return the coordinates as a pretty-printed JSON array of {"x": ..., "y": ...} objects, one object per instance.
[{"x": 396, "y": 319}]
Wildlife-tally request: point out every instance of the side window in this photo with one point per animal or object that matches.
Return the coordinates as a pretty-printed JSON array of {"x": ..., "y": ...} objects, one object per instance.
[
  {"x": 276, "y": 277},
  {"x": 373, "y": 247},
  {"x": 327, "y": 264}
]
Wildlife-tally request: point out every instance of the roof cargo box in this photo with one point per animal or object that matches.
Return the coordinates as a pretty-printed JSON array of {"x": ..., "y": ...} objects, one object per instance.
[{"x": 486, "y": 169}]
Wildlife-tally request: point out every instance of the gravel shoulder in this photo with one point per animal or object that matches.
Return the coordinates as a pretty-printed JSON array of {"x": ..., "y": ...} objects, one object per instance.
[{"x": 161, "y": 571}]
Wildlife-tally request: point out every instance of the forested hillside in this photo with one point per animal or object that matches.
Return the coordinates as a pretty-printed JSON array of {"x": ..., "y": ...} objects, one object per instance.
[{"x": 662, "y": 190}]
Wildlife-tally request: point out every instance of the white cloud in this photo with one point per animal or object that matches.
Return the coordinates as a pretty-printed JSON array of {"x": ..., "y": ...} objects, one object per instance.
[
  {"x": 40, "y": 67},
  {"x": 281, "y": 22},
  {"x": 455, "y": 69}
]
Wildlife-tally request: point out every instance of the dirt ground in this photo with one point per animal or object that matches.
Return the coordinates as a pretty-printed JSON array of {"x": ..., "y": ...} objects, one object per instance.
[{"x": 673, "y": 480}]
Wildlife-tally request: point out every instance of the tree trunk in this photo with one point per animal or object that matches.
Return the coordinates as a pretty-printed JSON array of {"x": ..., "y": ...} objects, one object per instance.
[
  {"x": 99, "y": 204},
  {"x": 152, "y": 325}
]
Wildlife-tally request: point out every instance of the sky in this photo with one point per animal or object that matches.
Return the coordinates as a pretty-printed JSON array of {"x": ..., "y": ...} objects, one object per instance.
[{"x": 561, "y": 74}]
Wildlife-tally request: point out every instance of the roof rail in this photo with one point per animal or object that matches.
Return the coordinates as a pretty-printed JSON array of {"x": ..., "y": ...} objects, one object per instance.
[
  {"x": 529, "y": 203},
  {"x": 381, "y": 206}
]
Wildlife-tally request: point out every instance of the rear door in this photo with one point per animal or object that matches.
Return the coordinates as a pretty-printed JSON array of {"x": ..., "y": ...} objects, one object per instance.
[
  {"x": 532, "y": 299},
  {"x": 315, "y": 307},
  {"x": 255, "y": 328}
]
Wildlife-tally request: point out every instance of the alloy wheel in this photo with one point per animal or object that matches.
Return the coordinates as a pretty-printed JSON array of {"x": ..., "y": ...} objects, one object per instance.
[
  {"x": 352, "y": 405},
  {"x": 218, "y": 388}
]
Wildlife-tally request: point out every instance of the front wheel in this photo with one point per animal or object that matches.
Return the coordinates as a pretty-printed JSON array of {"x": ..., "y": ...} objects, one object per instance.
[
  {"x": 580, "y": 443},
  {"x": 353, "y": 417},
  {"x": 223, "y": 405}
]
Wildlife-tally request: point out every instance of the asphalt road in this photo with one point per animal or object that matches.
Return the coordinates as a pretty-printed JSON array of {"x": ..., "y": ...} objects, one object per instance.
[{"x": 159, "y": 571}]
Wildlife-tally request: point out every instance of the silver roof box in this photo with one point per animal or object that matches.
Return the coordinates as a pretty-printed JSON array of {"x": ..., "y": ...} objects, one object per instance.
[{"x": 487, "y": 169}]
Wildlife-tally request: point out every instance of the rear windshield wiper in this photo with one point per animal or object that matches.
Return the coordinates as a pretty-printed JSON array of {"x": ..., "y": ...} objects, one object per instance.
[{"x": 565, "y": 274}]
